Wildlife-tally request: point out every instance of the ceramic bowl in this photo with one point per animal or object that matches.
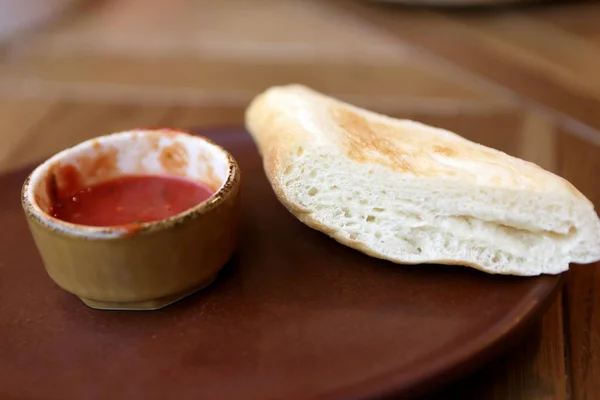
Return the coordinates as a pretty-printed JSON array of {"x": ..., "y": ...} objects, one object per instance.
[{"x": 141, "y": 266}]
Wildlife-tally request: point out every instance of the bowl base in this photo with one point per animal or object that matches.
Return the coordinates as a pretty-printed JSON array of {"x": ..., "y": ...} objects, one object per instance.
[{"x": 147, "y": 305}]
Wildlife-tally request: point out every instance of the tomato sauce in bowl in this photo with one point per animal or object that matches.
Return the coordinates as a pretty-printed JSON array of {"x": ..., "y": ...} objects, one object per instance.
[
  {"x": 129, "y": 200},
  {"x": 135, "y": 220}
]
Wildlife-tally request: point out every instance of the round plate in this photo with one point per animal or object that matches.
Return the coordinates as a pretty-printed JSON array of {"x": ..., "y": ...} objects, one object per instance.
[{"x": 294, "y": 315}]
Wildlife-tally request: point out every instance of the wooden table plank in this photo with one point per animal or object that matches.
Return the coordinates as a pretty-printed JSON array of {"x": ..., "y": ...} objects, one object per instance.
[
  {"x": 18, "y": 118},
  {"x": 194, "y": 52},
  {"x": 580, "y": 163},
  {"x": 449, "y": 38},
  {"x": 581, "y": 21},
  {"x": 267, "y": 29},
  {"x": 532, "y": 370},
  {"x": 538, "y": 45},
  {"x": 185, "y": 79},
  {"x": 67, "y": 123}
]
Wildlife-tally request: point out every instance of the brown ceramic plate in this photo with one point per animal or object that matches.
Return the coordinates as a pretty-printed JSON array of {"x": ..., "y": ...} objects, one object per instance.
[{"x": 293, "y": 316}]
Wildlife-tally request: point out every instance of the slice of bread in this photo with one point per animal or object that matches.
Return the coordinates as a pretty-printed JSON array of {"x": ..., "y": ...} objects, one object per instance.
[{"x": 411, "y": 193}]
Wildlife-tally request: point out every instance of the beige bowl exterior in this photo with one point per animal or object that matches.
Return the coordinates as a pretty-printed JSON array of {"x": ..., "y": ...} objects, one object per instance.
[{"x": 149, "y": 267}]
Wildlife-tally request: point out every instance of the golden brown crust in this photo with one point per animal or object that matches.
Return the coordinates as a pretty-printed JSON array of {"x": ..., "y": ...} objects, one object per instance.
[
  {"x": 423, "y": 151},
  {"x": 403, "y": 146}
]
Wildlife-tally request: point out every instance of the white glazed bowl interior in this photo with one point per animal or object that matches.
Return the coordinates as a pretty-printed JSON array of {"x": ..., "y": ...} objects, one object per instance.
[{"x": 136, "y": 152}]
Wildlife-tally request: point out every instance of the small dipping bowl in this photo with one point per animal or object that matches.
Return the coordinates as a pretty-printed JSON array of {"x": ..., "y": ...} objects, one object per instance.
[{"x": 137, "y": 266}]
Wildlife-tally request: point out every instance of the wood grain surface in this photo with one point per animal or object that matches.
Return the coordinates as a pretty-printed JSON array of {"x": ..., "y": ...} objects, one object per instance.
[{"x": 520, "y": 79}]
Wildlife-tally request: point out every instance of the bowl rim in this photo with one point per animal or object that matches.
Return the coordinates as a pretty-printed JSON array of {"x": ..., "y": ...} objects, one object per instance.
[{"x": 36, "y": 214}]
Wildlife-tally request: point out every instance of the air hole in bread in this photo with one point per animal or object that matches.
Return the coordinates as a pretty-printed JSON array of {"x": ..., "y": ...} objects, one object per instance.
[
  {"x": 347, "y": 213},
  {"x": 313, "y": 191},
  {"x": 378, "y": 235},
  {"x": 288, "y": 170},
  {"x": 496, "y": 258},
  {"x": 414, "y": 243},
  {"x": 334, "y": 187},
  {"x": 313, "y": 173},
  {"x": 378, "y": 209},
  {"x": 299, "y": 151},
  {"x": 353, "y": 236},
  {"x": 370, "y": 218}
]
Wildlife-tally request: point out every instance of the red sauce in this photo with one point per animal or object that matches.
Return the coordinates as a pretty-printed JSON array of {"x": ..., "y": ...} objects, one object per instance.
[{"x": 129, "y": 200}]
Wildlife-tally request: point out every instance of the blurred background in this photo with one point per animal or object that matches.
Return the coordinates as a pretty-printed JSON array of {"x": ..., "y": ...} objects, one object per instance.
[
  {"x": 72, "y": 69},
  {"x": 517, "y": 75}
]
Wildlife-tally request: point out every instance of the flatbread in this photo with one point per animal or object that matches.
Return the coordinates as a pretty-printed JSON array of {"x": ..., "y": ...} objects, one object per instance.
[{"x": 411, "y": 193}]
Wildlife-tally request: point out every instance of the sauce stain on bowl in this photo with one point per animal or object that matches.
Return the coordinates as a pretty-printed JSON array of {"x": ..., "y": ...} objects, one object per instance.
[{"x": 174, "y": 158}]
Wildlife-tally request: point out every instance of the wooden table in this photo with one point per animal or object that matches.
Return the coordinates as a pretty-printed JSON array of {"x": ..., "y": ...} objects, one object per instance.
[{"x": 524, "y": 80}]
